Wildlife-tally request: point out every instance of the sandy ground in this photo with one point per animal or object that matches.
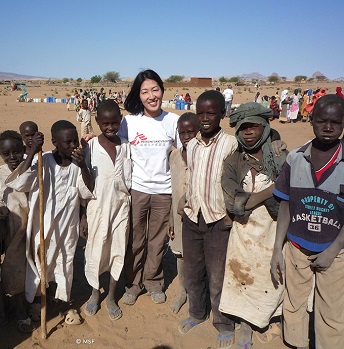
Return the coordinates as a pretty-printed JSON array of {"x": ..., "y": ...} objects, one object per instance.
[{"x": 144, "y": 325}]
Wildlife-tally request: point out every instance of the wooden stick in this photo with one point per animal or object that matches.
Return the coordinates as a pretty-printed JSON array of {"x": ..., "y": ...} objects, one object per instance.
[{"x": 42, "y": 248}]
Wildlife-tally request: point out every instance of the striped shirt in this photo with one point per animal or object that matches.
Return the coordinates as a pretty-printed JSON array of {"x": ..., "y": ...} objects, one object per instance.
[{"x": 205, "y": 163}]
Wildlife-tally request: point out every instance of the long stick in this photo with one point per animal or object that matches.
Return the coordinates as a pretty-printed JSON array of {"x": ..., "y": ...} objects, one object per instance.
[{"x": 42, "y": 248}]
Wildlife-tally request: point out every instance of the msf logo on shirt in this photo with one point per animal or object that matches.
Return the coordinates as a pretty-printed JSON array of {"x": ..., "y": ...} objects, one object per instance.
[{"x": 138, "y": 139}]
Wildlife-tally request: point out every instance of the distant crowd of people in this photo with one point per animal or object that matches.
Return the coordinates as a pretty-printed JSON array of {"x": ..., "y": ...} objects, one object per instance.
[{"x": 93, "y": 98}]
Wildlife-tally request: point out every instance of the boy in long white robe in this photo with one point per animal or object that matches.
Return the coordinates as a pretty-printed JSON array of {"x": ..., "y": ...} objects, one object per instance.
[
  {"x": 108, "y": 159},
  {"x": 64, "y": 178},
  {"x": 247, "y": 181}
]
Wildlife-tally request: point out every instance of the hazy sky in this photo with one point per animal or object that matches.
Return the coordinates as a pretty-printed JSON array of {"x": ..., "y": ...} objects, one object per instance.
[{"x": 207, "y": 38}]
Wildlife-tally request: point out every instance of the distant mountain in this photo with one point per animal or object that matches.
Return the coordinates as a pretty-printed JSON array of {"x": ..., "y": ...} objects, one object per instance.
[
  {"x": 316, "y": 74},
  {"x": 13, "y": 76},
  {"x": 339, "y": 79},
  {"x": 252, "y": 76}
]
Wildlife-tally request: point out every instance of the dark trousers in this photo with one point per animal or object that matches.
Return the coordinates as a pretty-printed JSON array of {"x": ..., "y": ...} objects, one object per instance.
[
  {"x": 205, "y": 248},
  {"x": 143, "y": 259}
]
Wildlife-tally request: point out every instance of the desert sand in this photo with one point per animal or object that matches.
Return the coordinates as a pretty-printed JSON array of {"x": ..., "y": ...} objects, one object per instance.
[{"x": 144, "y": 325}]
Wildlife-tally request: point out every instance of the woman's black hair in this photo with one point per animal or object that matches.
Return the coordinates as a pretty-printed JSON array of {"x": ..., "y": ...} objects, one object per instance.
[{"x": 133, "y": 102}]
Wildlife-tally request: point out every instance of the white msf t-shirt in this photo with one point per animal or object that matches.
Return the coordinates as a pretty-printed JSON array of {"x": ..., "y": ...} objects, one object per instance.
[
  {"x": 151, "y": 141},
  {"x": 228, "y": 94}
]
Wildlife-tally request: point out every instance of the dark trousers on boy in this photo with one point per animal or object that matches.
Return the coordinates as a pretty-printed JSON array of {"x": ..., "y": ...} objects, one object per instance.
[{"x": 205, "y": 248}]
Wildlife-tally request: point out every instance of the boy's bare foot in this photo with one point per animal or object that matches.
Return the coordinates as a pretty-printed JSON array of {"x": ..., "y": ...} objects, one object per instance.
[
  {"x": 179, "y": 302},
  {"x": 92, "y": 305},
  {"x": 190, "y": 323},
  {"x": 115, "y": 312}
]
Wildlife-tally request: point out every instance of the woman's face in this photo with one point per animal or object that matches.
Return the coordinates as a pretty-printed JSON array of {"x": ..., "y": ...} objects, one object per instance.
[{"x": 151, "y": 98}]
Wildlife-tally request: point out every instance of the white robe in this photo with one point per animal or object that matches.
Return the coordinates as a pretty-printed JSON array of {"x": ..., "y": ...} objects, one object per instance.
[
  {"x": 63, "y": 188},
  {"x": 13, "y": 268},
  {"x": 248, "y": 291},
  {"x": 108, "y": 214}
]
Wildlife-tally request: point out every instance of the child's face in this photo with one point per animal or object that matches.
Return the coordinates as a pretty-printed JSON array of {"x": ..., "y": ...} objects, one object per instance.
[
  {"x": 84, "y": 105},
  {"x": 251, "y": 133},
  {"x": 328, "y": 126},
  {"x": 27, "y": 133},
  {"x": 109, "y": 123},
  {"x": 12, "y": 152},
  {"x": 209, "y": 117},
  {"x": 187, "y": 130},
  {"x": 66, "y": 141},
  {"x": 151, "y": 97}
]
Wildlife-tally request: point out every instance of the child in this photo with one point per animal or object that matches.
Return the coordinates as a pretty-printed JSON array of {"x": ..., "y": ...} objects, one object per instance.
[
  {"x": 66, "y": 180},
  {"x": 84, "y": 117},
  {"x": 108, "y": 158},
  {"x": 284, "y": 105},
  {"x": 311, "y": 216},
  {"x": 187, "y": 128},
  {"x": 274, "y": 106},
  {"x": 205, "y": 234},
  {"x": 27, "y": 130},
  {"x": 14, "y": 210},
  {"x": 247, "y": 182}
]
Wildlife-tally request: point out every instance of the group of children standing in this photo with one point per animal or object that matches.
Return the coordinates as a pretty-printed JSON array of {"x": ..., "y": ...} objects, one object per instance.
[{"x": 224, "y": 215}]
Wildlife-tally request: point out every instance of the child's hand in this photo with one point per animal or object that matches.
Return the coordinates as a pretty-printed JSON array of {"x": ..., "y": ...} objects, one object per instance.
[
  {"x": 170, "y": 232},
  {"x": 78, "y": 156},
  {"x": 87, "y": 137},
  {"x": 37, "y": 142},
  {"x": 277, "y": 266},
  {"x": 322, "y": 261},
  {"x": 278, "y": 146},
  {"x": 83, "y": 227}
]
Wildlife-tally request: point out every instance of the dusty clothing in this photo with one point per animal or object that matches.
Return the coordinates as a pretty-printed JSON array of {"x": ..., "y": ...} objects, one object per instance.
[
  {"x": 316, "y": 207},
  {"x": 205, "y": 234},
  {"x": 84, "y": 117},
  {"x": 108, "y": 213},
  {"x": 248, "y": 291},
  {"x": 204, "y": 264},
  {"x": 178, "y": 182},
  {"x": 205, "y": 163},
  {"x": 63, "y": 189},
  {"x": 13, "y": 268},
  {"x": 328, "y": 306}
]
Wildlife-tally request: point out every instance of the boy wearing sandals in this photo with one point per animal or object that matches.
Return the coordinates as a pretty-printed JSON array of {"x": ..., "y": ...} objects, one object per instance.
[
  {"x": 205, "y": 233},
  {"x": 311, "y": 219},
  {"x": 66, "y": 181},
  {"x": 247, "y": 182},
  {"x": 108, "y": 160}
]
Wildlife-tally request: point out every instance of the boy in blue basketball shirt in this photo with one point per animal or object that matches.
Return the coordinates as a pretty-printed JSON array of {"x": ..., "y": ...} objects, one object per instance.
[{"x": 311, "y": 216}]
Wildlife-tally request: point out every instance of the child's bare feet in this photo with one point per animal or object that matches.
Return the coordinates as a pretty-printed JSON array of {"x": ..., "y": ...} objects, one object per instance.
[{"x": 179, "y": 302}]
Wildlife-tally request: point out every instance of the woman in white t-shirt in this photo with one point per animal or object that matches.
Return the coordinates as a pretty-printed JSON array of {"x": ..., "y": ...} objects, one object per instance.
[{"x": 151, "y": 132}]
